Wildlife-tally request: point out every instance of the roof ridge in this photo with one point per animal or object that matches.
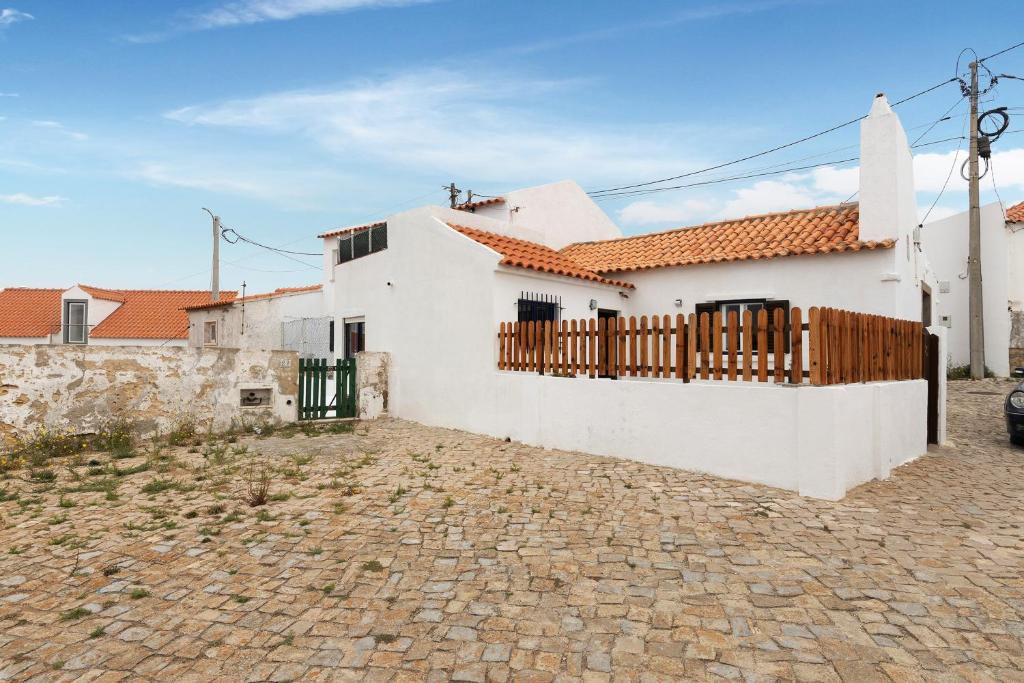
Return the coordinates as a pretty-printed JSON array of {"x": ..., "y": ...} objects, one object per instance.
[
  {"x": 33, "y": 289},
  {"x": 748, "y": 217}
]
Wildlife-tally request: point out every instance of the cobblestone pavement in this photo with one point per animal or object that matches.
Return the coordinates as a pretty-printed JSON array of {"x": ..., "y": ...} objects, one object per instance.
[{"x": 405, "y": 553}]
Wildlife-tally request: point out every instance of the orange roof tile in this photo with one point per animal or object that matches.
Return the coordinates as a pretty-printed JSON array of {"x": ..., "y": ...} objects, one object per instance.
[
  {"x": 473, "y": 206},
  {"x": 279, "y": 292},
  {"x": 805, "y": 231},
  {"x": 26, "y": 312},
  {"x": 354, "y": 228},
  {"x": 526, "y": 254},
  {"x": 1015, "y": 214},
  {"x": 149, "y": 313}
]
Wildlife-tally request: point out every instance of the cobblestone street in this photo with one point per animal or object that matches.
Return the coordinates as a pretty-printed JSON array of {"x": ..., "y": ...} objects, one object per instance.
[{"x": 399, "y": 552}]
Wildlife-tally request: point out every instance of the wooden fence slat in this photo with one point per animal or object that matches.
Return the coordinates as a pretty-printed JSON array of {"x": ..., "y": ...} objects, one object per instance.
[
  {"x": 796, "y": 346},
  {"x": 762, "y": 345},
  {"x": 613, "y": 347},
  {"x": 779, "y": 332},
  {"x": 666, "y": 349},
  {"x": 602, "y": 346},
  {"x": 691, "y": 346},
  {"x": 814, "y": 344},
  {"x": 655, "y": 346},
  {"x": 621, "y": 353},
  {"x": 716, "y": 343},
  {"x": 730, "y": 343},
  {"x": 643, "y": 345},
  {"x": 592, "y": 347},
  {"x": 704, "y": 322},
  {"x": 680, "y": 346},
  {"x": 632, "y": 346},
  {"x": 564, "y": 344},
  {"x": 747, "y": 343},
  {"x": 501, "y": 347}
]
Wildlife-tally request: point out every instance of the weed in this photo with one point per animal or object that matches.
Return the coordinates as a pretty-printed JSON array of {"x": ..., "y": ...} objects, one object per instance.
[
  {"x": 57, "y": 665},
  {"x": 65, "y": 502},
  {"x": 315, "y": 551},
  {"x": 372, "y": 566},
  {"x": 138, "y": 593},
  {"x": 257, "y": 485},
  {"x": 111, "y": 570},
  {"x": 328, "y": 589},
  {"x": 162, "y": 485},
  {"x": 385, "y": 638},
  {"x": 96, "y": 632},
  {"x": 116, "y": 434},
  {"x": 399, "y": 492},
  {"x": 241, "y": 599},
  {"x": 183, "y": 430},
  {"x": 76, "y": 613},
  {"x": 44, "y": 476},
  {"x": 280, "y": 496},
  {"x": 264, "y": 516},
  {"x": 448, "y": 502},
  {"x": 215, "y": 510},
  {"x": 191, "y": 514}
]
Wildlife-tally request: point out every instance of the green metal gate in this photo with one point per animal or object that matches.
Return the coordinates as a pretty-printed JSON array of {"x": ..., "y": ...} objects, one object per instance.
[{"x": 317, "y": 379}]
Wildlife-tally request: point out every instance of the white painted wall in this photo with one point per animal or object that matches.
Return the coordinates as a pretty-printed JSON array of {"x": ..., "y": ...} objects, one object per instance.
[
  {"x": 261, "y": 327},
  {"x": 24, "y": 340},
  {"x": 946, "y": 243}
]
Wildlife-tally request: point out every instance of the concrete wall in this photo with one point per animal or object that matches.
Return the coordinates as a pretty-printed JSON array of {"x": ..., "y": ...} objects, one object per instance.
[
  {"x": 946, "y": 243},
  {"x": 82, "y": 385}
]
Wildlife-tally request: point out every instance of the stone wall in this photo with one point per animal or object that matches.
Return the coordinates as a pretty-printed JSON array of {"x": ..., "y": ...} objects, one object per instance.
[
  {"x": 1016, "y": 340},
  {"x": 372, "y": 370},
  {"x": 79, "y": 386}
]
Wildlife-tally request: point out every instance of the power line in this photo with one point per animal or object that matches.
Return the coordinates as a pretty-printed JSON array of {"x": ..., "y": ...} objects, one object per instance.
[
  {"x": 767, "y": 151},
  {"x": 238, "y": 237},
  {"x": 1001, "y": 52}
]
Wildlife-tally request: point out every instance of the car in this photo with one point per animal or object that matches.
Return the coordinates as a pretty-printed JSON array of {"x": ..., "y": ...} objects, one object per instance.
[{"x": 1014, "y": 410}]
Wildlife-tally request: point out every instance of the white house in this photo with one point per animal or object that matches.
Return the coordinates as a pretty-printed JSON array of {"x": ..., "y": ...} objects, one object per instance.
[
  {"x": 291, "y": 318},
  {"x": 430, "y": 286},
  {"x": 1002, "y": 263},
  {"x": 93, "y": 315}
]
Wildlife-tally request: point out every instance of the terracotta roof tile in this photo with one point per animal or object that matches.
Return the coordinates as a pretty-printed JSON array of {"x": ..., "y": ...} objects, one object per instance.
[
  {"x": 279, "y": 292},
  {"x": 805, "y": 231},
  {"x": 1015, "y": 214},
  {"x": 473, "y": 206},
  {"x": 354, "y": 228},
  {"x": 525, "y": 254},
  {"x": 26, "y": 312},
  {"x": 149, "y": 313}
]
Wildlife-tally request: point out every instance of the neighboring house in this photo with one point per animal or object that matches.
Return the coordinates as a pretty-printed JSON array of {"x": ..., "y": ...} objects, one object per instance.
[
  {"x": 1002, "y": 264},
  {"x": 291, "y": 318},
  {"x": 394, "y": 282},
  {"x": 92, "y": 315}
]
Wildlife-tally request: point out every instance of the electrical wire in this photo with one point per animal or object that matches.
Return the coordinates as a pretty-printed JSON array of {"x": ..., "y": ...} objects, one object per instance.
[
  {"x": 238, "y": 237},
  {"x": 1001, "y": 52},
  {"x": 949, "y": 175},
  {"x": 765, "y": 152}
]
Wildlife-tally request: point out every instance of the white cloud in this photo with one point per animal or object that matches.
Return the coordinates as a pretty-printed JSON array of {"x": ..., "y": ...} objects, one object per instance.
[
  {"x": 452, "y": 125},
  {"x": 59, "y": 127},
  {"x": 258, "y": 11},
  {"x": 23, "y": 199},
  {"x": 10, "y": 16},
  {"x": 680, "y": 212},
  {"x": 9, "y": 94}
]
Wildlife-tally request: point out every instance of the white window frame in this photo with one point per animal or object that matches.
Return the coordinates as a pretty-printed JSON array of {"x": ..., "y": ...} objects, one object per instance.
[{"x": 82, "y": 328}]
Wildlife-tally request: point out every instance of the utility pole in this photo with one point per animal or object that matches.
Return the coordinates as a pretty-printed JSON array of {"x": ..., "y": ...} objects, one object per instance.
[
  {"x": 975, "y": 307},
  {"x": 215, "y": 271},
  {"x": 453, "y": 194}
]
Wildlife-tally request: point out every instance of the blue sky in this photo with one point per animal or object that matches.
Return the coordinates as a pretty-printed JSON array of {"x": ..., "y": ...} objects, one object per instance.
[{"x": 120, "y": 120}]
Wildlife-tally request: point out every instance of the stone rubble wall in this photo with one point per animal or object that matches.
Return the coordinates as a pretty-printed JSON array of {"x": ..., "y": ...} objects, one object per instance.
[
  {"x": 372, "y": 370},
  {"x": 80, "y": 386}
]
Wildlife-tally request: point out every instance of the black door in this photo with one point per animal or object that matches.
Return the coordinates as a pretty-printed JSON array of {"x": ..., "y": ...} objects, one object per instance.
[{"x": 930, "y": 351}]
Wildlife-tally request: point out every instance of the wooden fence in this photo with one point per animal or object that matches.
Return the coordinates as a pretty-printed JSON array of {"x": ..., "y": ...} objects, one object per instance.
[{"x": 831, "y": 346}]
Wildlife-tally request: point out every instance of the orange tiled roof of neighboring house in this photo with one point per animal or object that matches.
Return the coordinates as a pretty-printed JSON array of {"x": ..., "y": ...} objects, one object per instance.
[
  {"x": 526, "y": 254},
  {"x": 804, "y": 231},
  {"x": 1015, "y": 214},
  {"x": 354, "y": 228},
  {"x": 473, "y": 206},
  {"x": 148, "y": 313},
  {"x": 279, "y": 292},
  {"x": 27, "y": 312}
]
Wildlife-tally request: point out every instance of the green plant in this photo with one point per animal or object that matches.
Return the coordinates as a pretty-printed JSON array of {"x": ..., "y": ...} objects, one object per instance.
[
  {"x": 448, "y": 502},
  {"x": 96, "y": 632},
  {"x": 183, "y": 430},
  {"x": 372, "y": 566},
  {"x": 116, "y": 434},
  {"x": 964, "y": 372},
  {"x": 76, "y": 613},
  {"x": 138, "y": 593}
]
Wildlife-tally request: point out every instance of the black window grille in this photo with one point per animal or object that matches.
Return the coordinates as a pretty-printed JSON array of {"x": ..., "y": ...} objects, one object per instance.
[
  {"x": 363, "y": 243},
  {"x": 534, "y": 307}
]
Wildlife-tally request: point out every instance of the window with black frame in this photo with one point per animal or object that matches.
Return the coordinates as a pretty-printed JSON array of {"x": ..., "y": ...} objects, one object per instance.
[
  {"x": 755, "y": 306},
  {"x": 537, "y": 308},
  {"x": 362, "y": 242}
]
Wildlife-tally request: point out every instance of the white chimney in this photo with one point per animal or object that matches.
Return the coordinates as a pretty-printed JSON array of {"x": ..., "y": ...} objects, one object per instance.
[{"x": 888, "y": 207}]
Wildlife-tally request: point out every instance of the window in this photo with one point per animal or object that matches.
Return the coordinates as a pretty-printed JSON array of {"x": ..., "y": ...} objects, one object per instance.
[
  {"x": 362, "y": 243},
  {"x": 210, "y": 333},
  {"x": 76, "y": 317},
  {"x": 330, "y": 336},
  {"x": 534, "y": 307},
  {"x": 755, "y": 306},
  {"x": 355, "y": 338}
]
